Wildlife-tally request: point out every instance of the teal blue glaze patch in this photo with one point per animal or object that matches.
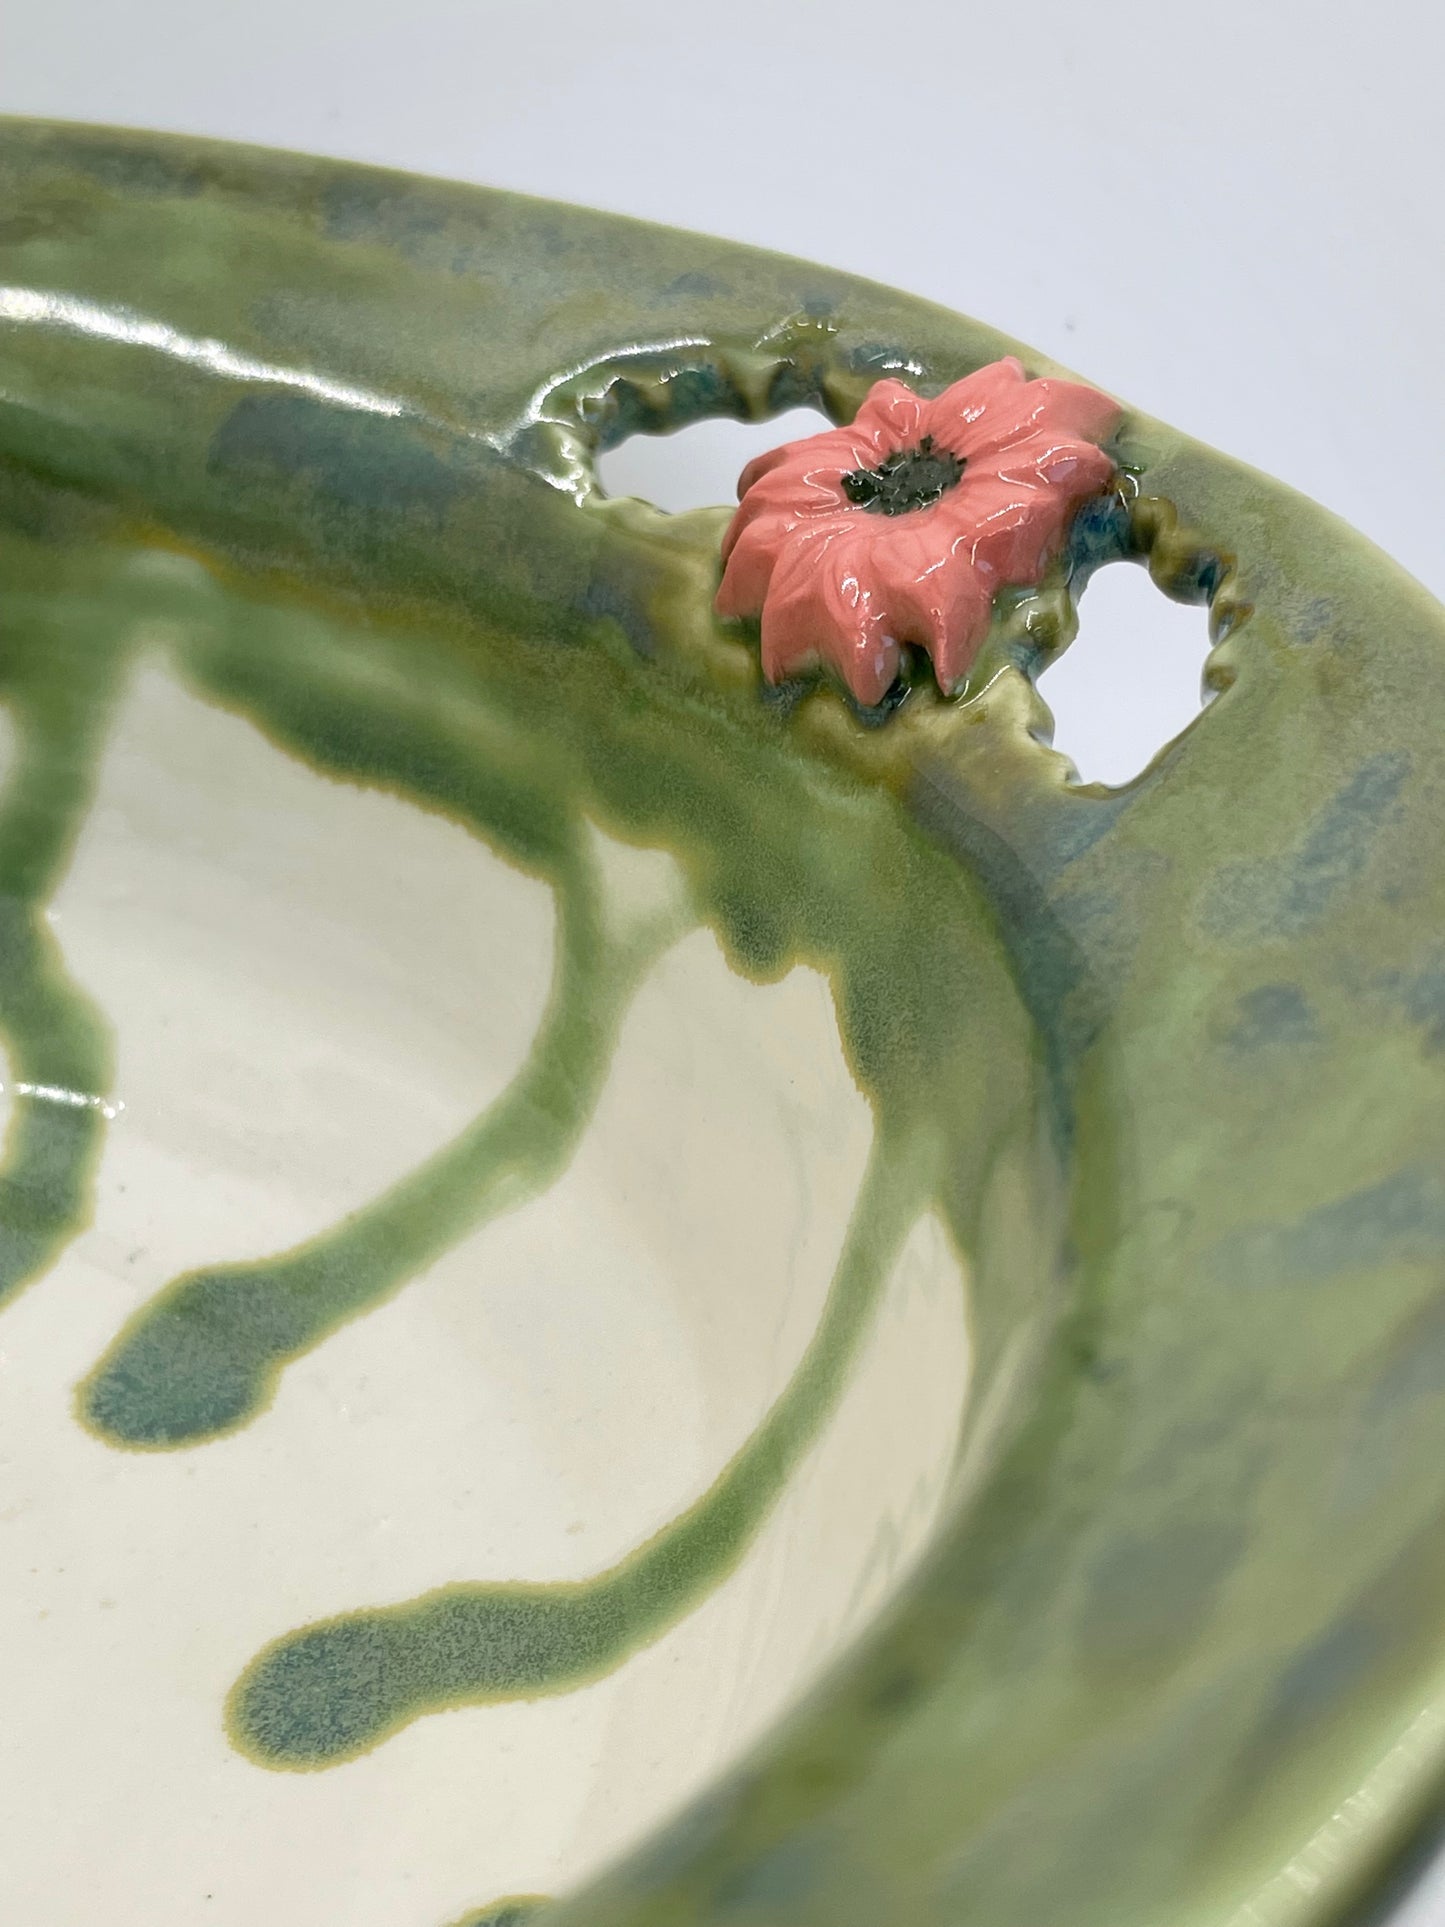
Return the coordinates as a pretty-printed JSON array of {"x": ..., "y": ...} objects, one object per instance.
[
  {"x": 1281, "y": 897},
  {"x": 1309, "y": 1690},
  {"x": 771, "y": 1884},
  {"x": 1059, "y": 984},
  {"x": 695, "y": 284},
  {"x": 1422, "y": 998},
  {"x": 1273, "y": 1016},
  {"x": 367, "y": 206},
  {"x": 1146, "y": 1592},
  {"x": 368, "y": 465},
  {"x": 1400, "y": 1220},
  {"x": 1412, "y": 1370}
]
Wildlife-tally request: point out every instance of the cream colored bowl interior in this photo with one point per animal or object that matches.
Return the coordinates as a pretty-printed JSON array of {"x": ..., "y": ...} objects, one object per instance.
[{"x": 312, "y": 988}]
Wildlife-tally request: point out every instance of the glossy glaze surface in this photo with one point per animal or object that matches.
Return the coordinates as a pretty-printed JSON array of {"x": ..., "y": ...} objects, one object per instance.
[
  {"x": 1164, "y": 1060},
  {"x": 903, "y": 526}
]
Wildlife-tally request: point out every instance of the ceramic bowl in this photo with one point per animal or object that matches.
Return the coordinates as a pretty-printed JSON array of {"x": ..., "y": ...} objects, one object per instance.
[{"x": 698, "y": 1301}]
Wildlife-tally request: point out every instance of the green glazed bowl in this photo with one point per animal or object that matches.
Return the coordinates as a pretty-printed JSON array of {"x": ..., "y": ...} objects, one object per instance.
[{"x": 631, "y": 1291}]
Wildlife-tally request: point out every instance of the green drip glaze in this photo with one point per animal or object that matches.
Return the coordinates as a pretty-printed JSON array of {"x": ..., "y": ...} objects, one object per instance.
[
  {"x": 203, "y": 1357},
  {"x": 336, "y": 1689},
  {"x": 777, "y": 872},
  {"x": 509, "y": 1912},
  {"x": 59, "y": 666}
]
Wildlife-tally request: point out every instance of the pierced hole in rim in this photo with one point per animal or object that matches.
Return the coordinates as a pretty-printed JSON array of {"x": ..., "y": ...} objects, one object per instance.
[
  {"x": 1131, "y": 680},
  {"x": 698, "y": 466}
]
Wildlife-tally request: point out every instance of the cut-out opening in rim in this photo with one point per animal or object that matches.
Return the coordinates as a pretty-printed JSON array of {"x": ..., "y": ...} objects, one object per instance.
[
  {"x": 698, "y": 466},
  {"x": 1131, "y": 681}
]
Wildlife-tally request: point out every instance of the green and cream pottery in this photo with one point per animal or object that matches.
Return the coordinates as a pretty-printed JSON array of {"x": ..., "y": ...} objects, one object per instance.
[{"x": 633, "y": 1290}]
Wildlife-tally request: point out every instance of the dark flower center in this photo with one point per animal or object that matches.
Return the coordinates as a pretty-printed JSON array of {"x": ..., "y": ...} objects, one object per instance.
[{"x": 911, "y": 479}]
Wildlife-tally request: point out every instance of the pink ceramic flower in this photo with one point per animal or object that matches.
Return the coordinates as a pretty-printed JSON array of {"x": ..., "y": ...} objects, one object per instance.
[{"x": 903, "y": 526}]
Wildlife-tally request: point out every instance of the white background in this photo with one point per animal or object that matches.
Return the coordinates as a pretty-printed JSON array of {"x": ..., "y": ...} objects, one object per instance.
[{"x": 1229, "y": 214}]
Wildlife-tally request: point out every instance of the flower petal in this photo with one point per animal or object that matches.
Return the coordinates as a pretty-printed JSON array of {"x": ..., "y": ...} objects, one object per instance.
[
  {"x": 808, "y": 449},
  {"x": 934, "y": 595},
  {"x": 1054, "y": 460},
  {"x": 997, "y": 406},
  {"x": 1072, "y": 408},
  {"x": 760, "y": 465},
  {"x": 1014, "y": 516},
  {"x": 956, "y": 418},
  {"x": 1008, "y": 529},
  {"x": 892, "y": 417},
  {"x": 807, "y": 483},
  {"x": 823, "y": 607},
  {"x": 752, "y": 553}
]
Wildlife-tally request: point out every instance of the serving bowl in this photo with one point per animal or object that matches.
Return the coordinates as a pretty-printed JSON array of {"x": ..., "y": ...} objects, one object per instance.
[{"x": 628, "y": 1288}]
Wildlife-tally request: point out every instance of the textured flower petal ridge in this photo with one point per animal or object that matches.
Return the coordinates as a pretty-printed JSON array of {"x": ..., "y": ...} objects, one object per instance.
[{"x": 904, "y": 525}]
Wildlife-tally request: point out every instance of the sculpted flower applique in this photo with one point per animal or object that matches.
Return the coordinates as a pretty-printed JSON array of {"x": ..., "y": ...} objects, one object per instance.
[{"x": 903, "y": 526}]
